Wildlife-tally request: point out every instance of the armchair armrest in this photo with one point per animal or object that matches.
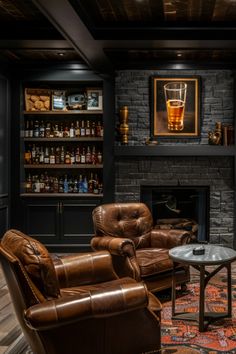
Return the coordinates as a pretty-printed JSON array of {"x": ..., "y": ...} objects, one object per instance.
[
  {"x": 169, "y": 238},
  {"x": 94, "y": 304},
  {"x": 84, "y": 268},
  {"x": 115, "y": 245}
]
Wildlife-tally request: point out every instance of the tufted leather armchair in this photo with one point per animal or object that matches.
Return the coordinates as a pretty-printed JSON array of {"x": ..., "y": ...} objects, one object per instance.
[
  {"x": 138, "y": 250},
  {"x": 76, "y": 304}
]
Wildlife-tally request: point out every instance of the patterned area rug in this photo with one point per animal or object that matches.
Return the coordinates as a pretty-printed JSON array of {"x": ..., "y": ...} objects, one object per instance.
[{"x": 220, "y": 336}]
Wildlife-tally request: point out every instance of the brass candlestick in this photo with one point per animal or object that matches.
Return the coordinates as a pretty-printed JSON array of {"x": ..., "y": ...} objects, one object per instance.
[{"x": 124, "y": 127}]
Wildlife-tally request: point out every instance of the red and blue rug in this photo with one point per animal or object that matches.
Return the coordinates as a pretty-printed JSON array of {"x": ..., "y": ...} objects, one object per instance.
[{"x": 220, "y": 336}]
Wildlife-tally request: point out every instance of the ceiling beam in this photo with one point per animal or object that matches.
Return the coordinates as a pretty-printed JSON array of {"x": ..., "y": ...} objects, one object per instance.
[
  {"x": 62, "y": 15},
  {"x": 34, "y": 44}
]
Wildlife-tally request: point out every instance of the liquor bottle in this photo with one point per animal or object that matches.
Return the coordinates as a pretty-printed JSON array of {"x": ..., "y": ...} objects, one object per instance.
[
  {"x": 33, "y": 154},
  {"x": 31, "y": 129},
  {"x": 72, "y": 130},
  {"x": 62, "y": 158},
  {"x": 98, "y": 129},
  {"x": 94, "y": 156},
  {"x": 28, "y": 157},
  {"x": 66, "y": 133},
  {"x": 42, "y": 183},
  {"x": 70, "y": 186},
  {"x": 80, "y": 184},
  {"x": 82, "y": 129},
  {"x": 67, "y": 158},
  {"x": 46, "y": 156},
  {"x": 87, "y": 129},
  {"x": 75, "y": 186},
  {"x": 99, "y": 157},
  {"x": 88, "y": 156},
  {"x": 36, "y": 129},
  {"x": 93, "y": 130},
  {"x": 95, "y": 186},
  {"x": 37, "y": 185},
  {"x": 52, "y": 157},
  {"x": 77, "y": 155},
  {"x": 42, "y": 130},
  {"x": 58, "y": 155},
  {"x": 65, "y": 185},
  {"x": 41, "y": 156},
  {"x": 90, "y": 183},
  {"x": 37, "y": 156},
  {"x": 83, "y": 156},
  {"x": 61, "y": 131},
  {"x": 77, "y": 129},
  {"x": 28, "y": 184},
  {"x": 61, "y": 185},
  {"x": 26, "y": 133},
  {"x": 85, "y": 185},
  {"x": 55, "y": 185},
  {"x": 48, "y": 130},
  {"x": 56, "y": 131},
  {"x": 72, "y": 157}
]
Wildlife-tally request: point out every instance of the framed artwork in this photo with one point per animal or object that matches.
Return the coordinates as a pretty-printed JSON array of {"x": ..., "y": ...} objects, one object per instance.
[
  {"x": 94, "y": 99},
  {"x": 175, "y": 107}
]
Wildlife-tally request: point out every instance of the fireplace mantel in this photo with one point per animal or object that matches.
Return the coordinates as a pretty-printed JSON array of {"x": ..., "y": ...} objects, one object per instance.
[{"x": 174, "y": 150}]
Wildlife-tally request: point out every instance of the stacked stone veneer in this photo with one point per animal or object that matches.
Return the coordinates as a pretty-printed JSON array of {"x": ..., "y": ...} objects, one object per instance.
[{"x": 132, "y": 89}]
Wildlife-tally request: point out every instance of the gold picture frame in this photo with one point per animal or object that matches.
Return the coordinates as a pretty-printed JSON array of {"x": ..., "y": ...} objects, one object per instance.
[{"x": 175, "y": 105}]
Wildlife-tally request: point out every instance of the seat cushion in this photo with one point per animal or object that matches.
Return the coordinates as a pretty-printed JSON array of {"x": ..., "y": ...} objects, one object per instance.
[{"x": 153, "y": 261}]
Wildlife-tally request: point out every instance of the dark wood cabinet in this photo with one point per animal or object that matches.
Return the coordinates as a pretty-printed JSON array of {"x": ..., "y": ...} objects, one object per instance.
[{"x": 60, "y": 223}]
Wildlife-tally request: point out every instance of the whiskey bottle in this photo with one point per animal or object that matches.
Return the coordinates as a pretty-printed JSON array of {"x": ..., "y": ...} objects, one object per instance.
[
  {"x": 26, "y": 133},
  {"x": 99, "y": 157},
  {"x": 88, "y": 156},
  {"x": 28, "y": 184},
  {"x": 72, "y": 130},
  {"x": 31, "y": 129},
  {"x": 33, "y": 154},
  {"x": 48, "y": 130},
  {"x": 98, "y": 129},
  {"x": 56, "y": 131},
  {"x": 42, "y": 130},
  {"x": 28, "y": 157},
  {"x": 36, "y": 129},
  {"x": 93, "y": 130},
  {"x": 77, "y": 129},
  {"x": 58, "y": 155},
  {"x": 62, "y": 158},
  {"x": 66, "y": 133},
  {"x": 72, "y": 157},
  {"x": 90, "y": 183},
  {"x": 61, "y": 185},
  {"x": 82, "y": 129},
  {"x": 77, "y": 155},
  {"x": 46, "y": 156},
  {"x": 80, "y": 183},
  {"x": 82, "y": 156},
  {"x": 94, "y": 156},
  {"x": 67, "y": 158},
  {"x": 87, "y": 129},
  {"x": 52, "y": 157},
  {"x": 41, "y": 156}
]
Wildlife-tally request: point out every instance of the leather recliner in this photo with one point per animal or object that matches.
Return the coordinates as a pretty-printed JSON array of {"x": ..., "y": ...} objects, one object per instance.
[
  {"x": 76, "y": 304},
  {"x": 138, "y": 250}
]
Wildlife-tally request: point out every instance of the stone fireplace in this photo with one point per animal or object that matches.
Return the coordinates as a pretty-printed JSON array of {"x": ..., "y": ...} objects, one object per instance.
[
  {"x": 179, "y": 202},
  {"x": 214, "y": 174}
]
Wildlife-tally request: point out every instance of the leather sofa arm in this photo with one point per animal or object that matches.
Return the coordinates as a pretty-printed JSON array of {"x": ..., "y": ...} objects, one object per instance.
[
  {"x": 84, "y": 268},
  {"x": 93, "y": 304},
  {"x": 115, "y": 245},
  {"x": 169, "y": 238}
]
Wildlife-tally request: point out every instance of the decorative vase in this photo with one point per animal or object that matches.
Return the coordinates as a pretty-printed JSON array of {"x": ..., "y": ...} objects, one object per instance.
[{"x": 124, "y": 127}]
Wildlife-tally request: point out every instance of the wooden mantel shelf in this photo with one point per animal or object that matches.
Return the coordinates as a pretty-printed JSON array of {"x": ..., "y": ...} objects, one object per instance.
[{"x": 174, "y": 150}]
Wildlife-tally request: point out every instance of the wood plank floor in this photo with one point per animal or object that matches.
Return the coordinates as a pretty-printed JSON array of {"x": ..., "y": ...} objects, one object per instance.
[{"x": 11, "y": 337}]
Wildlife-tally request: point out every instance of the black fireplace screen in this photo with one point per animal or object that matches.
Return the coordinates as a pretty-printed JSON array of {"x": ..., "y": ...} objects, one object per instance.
[{"x": 178, "y": 202}]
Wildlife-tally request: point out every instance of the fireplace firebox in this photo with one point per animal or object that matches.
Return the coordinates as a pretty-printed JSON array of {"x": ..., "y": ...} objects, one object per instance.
[{"x": 181, "y": 202}]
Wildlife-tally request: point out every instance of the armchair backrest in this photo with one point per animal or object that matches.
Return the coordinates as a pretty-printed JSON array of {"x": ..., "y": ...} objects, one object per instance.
[
  {"x": 30, "y": 277},
  {"x": 125, "y": 220}
]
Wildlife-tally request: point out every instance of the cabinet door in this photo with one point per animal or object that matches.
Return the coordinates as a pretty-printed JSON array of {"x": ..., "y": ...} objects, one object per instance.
[
  {"x": 42, "y": 220},
  {"x": 77, "y": 224}
]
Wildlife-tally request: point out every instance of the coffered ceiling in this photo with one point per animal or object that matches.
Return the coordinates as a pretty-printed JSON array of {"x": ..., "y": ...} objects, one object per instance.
[{"x": 112, "y": 34}]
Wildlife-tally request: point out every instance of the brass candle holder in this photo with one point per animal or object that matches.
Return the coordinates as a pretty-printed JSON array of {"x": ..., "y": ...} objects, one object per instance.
[{"x": 124, "y": 127}]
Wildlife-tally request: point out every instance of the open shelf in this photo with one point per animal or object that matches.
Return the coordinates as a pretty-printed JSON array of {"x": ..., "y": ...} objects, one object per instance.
[
  {"x": 92, "y": 111},
  {"x": 66, "y": 166},
  {"x": 61, "y": 195},
  {"x": 80, "y": 139}
]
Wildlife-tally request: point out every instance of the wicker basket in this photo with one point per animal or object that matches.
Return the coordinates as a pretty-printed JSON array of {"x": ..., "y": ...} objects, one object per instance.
[{"x": 37, "y": 99}]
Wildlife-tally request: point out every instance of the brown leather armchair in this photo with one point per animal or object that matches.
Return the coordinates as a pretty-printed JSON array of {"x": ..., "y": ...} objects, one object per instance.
[
  {"x": 138, "y": 250},
  {"x": 76, "y": 304}
]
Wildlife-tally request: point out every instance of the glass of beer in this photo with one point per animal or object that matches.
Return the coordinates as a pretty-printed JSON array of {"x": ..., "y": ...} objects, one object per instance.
[{"x": 175, "y": 97}]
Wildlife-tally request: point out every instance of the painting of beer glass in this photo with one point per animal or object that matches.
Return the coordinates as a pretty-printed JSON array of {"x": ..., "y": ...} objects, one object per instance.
[{"x": 175, "y": 107}]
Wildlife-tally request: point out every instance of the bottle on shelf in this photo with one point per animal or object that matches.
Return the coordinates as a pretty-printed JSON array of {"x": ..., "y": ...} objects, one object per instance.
[
  {"x": 52, "y": 157},
  {"x": 87, "y": 129},
  {"x": 77, "y": 129},
  {"x": 77, "y": 155},
  {"x": 62, "y": 157},
  {"x": 42, "y": 130},
  {"x": 67, "y": 158},
  {"x": 48, "y": 130},
  {"x": 82, "y": 129},
  {"x": 31, "y": 129},
  {"x": 72, "y": 130},
  {"x": 26, "y": 132},
  {"x": 88, "y": 155},
  {"x": 65, "y": 185},
  {"x": 83, "y": 156},
  {"x": 46, "y": 156},
  {"x": 36, "y": 129},
  {"x": 93, "y": 130}
]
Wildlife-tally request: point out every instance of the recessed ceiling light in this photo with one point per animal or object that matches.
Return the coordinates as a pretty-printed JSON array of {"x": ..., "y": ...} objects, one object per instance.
[
  {"x": 61, "y": 54},
  {"x": 179, "y": 55}
]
